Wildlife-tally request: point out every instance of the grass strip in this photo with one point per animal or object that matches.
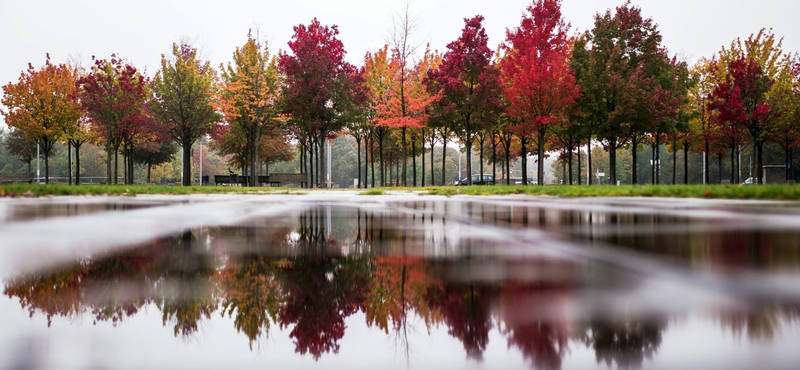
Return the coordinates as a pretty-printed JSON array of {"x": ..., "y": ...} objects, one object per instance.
[{"x": 778, "y": 192}]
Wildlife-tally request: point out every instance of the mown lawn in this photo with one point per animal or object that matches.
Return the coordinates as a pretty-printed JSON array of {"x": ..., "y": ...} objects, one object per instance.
[
  {"x": 131, "y": 190},
  {"x": 784, "y": 192},
  {"x": 789, "y": 192}
]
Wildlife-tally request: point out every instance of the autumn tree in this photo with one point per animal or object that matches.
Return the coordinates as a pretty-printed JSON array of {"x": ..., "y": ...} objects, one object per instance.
[
  {"x": 741, "y": 99},
  {"x": 250, "y": 96},
  {"x": 184, "y": 98},
  {"x": 378, "y": 71},
  {"x": 40, "y": 105},
  {"x": 116, "y": 99},
  {"x": 320, "y": 87},
  {"x": 700, "y": 121},
  {"x": 613, "y": 65},
  {"x": 537, "y": 78},
  {"x": 403, "y": 49},
  {"x": 467, "y": 84},
  {"x": 785, "y": 97}
]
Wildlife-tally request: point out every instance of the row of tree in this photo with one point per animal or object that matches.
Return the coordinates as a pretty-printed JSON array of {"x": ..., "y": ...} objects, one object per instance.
[{"x": 543, "y": 92}]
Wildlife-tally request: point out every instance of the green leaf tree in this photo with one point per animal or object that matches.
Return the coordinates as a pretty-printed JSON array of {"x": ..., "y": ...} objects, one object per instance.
[{"x": 184, "y": 91}]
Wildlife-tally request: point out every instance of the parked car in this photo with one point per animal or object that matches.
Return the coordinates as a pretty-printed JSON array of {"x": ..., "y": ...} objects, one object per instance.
[
  {"x": 478, "y": 180},
  {"x": 518, "y": 181}
]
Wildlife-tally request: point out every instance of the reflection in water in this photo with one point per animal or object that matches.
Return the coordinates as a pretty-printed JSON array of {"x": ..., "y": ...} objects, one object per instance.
[
  {"x": 626, "y": 343},
  {"x": 308, "y": 274},
  {"x": 42, "y": 210}
]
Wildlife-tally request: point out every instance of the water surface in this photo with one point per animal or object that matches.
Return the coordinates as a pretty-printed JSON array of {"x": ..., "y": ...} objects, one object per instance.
[{"x": 423, "y": 282}]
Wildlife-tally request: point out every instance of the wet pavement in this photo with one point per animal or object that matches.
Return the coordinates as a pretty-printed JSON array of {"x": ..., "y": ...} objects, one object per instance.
[{"x": 346, "y": 281}]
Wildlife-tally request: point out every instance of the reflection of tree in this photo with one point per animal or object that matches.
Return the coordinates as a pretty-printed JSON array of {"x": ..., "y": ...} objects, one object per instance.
[
  {"x": 465, "y": 310},
  {"x": 398, "y": 286},
  {"x": 118, "y": 284},
  {"x": 532, "y": 323},
  {"x": 759, "y": 323},
  {"x": 320, "y": 293},
  {"x": 627, "y": 343},
  {"x": 250, "y": 287},
  {"x": 55, "y": 293},
  {"x": 184, "y": 292}
]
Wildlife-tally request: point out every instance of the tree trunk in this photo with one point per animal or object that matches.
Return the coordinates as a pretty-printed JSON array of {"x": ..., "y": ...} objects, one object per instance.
[
  {"x": 320, "y": 161},
  {"x": 433, "y": 176},
  {"x": 706, "y": 177},
  {"x": 108, "y": 164},
  {"x": 733, "y": 166},
  {"x": 657, "y": 162},
  {"x": 508, "y": 164},
  {"x": 366, "y": 163},
  {"x": 253, "y": 158},
  {"x": 422, "y": 173},
  {"x": 760, "y": 162},
  {"x": 719, "y": 158},
  {"x": 46, "y": 166},
  {"x": 444, "y": 154},
  {"x": 187, "y": 163},
  {"x": 77, "y": 164},
  {"x": 612, "y": 163},
  {"x": 469, "y": 159},
  {"x": 382, "y": 164},
  {"x": 372, "y": 160},
  {"x": 310, "y": 164},
  {"x": 540, "y": 154},
  {"x": 133, "y": 164},
  {"x": 414, "y": 160},
  {"x": 116, "y": 164},
  {"x": 405, "y": 156},
  {"x": 358, "y": 150},
  {"x": 494, "y": 159},
  {"x": 569, "y": 160},
  {"x": 589, "y": 162},
  {"x": 685, "y": 162},
  {"x": 579, "y": 162},
  {"x": 148, "y": 171},
  {"x": 481, "y": 159},
  {"x": 634, "y": 161},
  {"x": 524, "y": 156},
  {"x": 69, "y": 162}
]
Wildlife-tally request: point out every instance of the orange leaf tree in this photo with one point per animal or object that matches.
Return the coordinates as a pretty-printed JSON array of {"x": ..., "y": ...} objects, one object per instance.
[{"x": 40, "y": 105}]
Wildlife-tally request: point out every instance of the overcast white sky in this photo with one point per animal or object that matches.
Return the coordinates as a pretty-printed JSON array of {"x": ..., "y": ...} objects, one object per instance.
[{"x": 141, "y": 31}]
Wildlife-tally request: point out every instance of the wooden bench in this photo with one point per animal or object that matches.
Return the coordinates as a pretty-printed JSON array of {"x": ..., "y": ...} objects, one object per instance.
[{"x": 17, "y": 177}]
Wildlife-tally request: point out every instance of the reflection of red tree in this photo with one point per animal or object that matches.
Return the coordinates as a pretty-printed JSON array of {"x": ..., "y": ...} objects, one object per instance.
[
  {"x": 465, "y": 310},
  {"x": 320, "y": 293},
  {"x": 534, "y": 323}
]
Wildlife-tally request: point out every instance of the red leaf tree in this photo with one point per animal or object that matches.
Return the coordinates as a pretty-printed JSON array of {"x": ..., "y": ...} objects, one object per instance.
[
  {"x": 467, "y": 84},
  {"x": 320, "y": 87},
  {"x": 537, "y": 80},
  {"x": 115, "y": 96},
  {"x": 741, "y": 99}
]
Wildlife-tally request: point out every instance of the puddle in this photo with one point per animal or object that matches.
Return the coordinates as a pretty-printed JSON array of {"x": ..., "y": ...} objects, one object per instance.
[{"x": 422, "y": 284}]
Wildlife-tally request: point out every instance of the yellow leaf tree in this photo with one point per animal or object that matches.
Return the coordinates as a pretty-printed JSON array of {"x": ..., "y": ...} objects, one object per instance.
[{"x": 249, "y": 96}]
